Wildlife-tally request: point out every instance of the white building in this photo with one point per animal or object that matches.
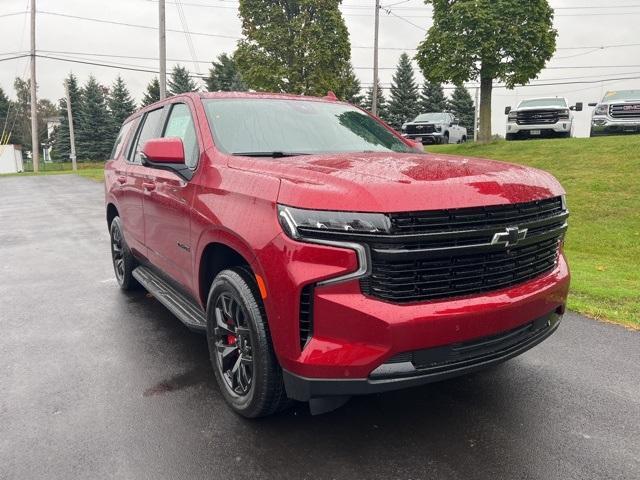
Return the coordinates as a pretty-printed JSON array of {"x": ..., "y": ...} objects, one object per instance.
[{"x": 11, "y": 159}]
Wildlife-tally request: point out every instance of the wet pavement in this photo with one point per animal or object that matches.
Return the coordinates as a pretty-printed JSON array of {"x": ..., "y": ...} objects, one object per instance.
[{"x": 95, "y": 383}]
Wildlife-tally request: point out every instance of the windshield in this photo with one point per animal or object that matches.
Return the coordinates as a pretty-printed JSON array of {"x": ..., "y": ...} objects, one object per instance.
[
  {"x": 285, "y": 127},
  {"x": 629, "y": 95},
  {"x": 543, "y": 102},
  {"x": 432, "y": 117}
]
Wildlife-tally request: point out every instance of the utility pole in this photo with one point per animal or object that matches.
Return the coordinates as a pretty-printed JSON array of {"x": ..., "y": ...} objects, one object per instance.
[
  {"x": 35, "y": 144},
  {"x": 72, "y": 134},
  {"x": 476, "y": 113},
  {"x": 374, "y": 90},
  {"x": 163, "y": 50}
]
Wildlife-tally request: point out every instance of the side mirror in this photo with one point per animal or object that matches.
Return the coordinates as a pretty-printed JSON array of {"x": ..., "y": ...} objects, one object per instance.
[
  {"x": 166, "y": 154},
  {"x": 594, "y": 104},
  {"x": 577, "y": 107},
  {"x": 507, "y": 110},
  {"x": 163, "y": 151}
]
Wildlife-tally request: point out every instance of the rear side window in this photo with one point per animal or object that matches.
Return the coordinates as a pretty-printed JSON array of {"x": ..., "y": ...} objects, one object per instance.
[
  {"x": 122, "y": 136},
  {"x": 180, "y": 124},
  {"x": 150, "y": 129}
]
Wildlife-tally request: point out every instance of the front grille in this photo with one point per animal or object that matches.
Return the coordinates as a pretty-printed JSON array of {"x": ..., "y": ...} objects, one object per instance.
[
  {"x": 306, "y": 315},
  {"x": 538, "y": 117},
  {"x": 625, "y": 111},
  {"x": 418, "y": 129},
  {"x": 452, "y": 253}
]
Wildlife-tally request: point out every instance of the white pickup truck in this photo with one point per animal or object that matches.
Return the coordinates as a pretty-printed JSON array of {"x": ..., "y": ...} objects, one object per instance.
[
  {"x": 541, "y": 117},
  {"x": 435, "y": 127}
]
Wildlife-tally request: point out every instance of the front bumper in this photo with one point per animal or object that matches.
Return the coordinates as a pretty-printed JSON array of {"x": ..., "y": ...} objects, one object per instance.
[
  {"x": 544, "y": 129},
  {"x": 353, "y": 335},
  {"x": 437, "y": 364},
  {"x": 604, "y": 125}
]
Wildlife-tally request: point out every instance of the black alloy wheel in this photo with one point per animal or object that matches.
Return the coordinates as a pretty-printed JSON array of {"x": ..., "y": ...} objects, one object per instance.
[
  {"x": 123, "y": 261},
  {"x": 233, "y": 345}
]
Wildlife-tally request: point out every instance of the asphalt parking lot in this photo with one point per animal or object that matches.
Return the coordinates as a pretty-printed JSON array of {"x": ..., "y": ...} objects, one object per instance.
[{"x": 95, "y": 383}]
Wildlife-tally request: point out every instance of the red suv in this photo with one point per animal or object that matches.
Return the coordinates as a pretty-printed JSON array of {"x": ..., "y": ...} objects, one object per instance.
[{"x": 323, "y": 254}]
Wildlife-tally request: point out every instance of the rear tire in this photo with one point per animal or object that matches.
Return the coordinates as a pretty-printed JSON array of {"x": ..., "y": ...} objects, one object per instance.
[
  {"x": 122, "y": 258},
  {"x": 240, "y": 347}
]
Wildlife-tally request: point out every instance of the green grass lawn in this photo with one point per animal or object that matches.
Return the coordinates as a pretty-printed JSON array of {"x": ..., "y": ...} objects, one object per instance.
[
  {"x": 602, "y": 179},
  {"x": 92, "y": 170}
]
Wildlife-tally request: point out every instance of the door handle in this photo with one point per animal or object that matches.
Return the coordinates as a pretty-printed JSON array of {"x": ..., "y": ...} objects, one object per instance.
[
  {"x": 122, "y": 179},
  {"x": 149, "y": 186}
]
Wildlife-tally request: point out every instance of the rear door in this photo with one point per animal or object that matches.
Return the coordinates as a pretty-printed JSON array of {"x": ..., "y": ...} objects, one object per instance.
[
  {"x": 135, "y": 189},
  {"x": 167, "y": 205}
]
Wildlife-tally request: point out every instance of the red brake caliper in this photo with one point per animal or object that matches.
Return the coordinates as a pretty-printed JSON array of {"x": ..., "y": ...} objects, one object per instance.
[{"x": 231, "y": 339}]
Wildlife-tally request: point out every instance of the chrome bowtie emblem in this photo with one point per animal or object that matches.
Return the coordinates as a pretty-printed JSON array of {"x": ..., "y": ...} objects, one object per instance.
[{"x": 510, "y": 237}]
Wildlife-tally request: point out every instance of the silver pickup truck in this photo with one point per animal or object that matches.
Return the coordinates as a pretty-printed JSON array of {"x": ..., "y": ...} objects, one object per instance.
[
  {"x": 541, "y": 117},
  {"x": 618, "y": 112}
]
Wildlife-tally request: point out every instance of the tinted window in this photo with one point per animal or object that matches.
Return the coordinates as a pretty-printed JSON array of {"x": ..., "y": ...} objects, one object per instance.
[
  {"x": 122, "y": 136},
  {"x": 247, "y": 125},
  {"x": 150, "y": 129},
  {"x": 180, "y": 124}
]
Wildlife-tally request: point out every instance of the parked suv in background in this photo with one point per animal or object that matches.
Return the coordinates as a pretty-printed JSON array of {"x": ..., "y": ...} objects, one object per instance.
[
  {"x": 323, "y": 254},
  {"x": 617, "y": 113},
  {"x": 541, "y": 117},
  {"x": 435, "y": 128}
]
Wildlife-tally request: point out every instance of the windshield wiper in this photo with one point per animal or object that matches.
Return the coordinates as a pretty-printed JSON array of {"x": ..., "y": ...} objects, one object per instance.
[{"x": 269, "y": 154}]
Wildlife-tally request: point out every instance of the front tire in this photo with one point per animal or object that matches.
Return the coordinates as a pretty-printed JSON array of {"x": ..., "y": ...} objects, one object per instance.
[
  {"x": 240, "y": 348},
  {"x": 122, "y": 258},
  {"x": 511, "y": 137}
]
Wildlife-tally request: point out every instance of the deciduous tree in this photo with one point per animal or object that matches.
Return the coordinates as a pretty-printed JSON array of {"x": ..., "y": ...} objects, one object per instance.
[
  {"x": 487, "y": 40},
  {"x": 403, "y": 101},
  {"x": 295, "y": 46}
]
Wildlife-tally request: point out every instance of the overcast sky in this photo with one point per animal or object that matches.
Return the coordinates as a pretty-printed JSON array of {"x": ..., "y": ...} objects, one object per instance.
[{"x": 580, "y": 23}]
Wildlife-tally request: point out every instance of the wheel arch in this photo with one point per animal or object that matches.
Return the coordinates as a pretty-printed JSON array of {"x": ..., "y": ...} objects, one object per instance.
[{"x": 112, "y": 212}]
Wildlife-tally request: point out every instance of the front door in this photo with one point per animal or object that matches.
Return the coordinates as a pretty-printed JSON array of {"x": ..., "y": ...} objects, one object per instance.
[
  {"x": 134, "y": 189},
  {"x": 167, "y": 203}
]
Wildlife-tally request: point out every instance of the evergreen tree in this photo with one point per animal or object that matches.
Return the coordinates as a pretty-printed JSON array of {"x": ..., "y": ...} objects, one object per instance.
[
  {"x": 294, "y": 46},
  {"x": 352, "y": 91},
  {"x": 120, "y": 103},
  {"x": 381, "y": 103},
  {"x": 403, "y": 102},
  {"x": 62, "y": 145},
  {"x": 432, "y": 98},
  {"x": 152, "y": 94},
  {"x": 180, "y": 81},
  {"x": 224, "y": 76},
  {"x": 93, "y": 137},
  {"x": 461, "y": 105}
]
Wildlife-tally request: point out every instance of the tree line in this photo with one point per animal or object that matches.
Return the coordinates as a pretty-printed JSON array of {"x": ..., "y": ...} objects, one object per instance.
[{"x": 303, "y": 47}]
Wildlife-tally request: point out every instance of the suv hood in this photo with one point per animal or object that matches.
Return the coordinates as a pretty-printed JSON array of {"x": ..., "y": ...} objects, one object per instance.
[
  {"x": 548, "y": 107},
  {"x": 396, "y": 182}
]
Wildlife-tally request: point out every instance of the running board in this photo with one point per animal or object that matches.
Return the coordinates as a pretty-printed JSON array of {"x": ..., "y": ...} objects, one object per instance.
[{"x": 177, "y": 302}]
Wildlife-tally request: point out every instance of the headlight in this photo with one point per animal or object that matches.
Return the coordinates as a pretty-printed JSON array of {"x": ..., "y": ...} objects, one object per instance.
[
  {"x": 602, "y": 109},
  {"x": 300, "y": 223},
  {"x": 513, "y": 116},
  {"x": 404, "y": 127},
  {"x": 564, "y": 114},
  {"x": 438, "y": 128}
]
